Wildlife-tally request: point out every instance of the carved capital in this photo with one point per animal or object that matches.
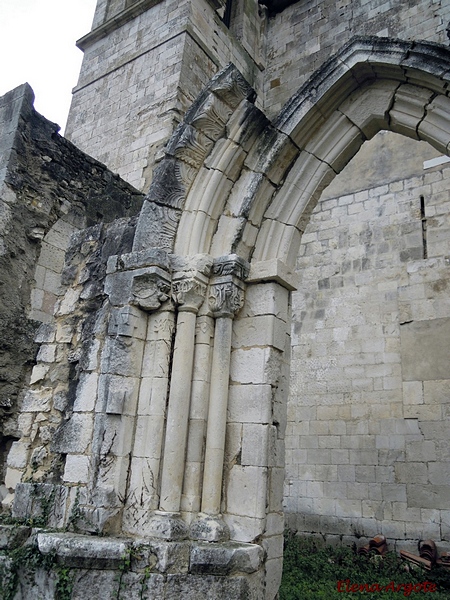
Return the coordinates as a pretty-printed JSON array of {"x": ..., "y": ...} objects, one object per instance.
[
  {"x": 226, "y": 296},
  {"x": 149, "y": 290},
  {"x": 189, "y": 291}
]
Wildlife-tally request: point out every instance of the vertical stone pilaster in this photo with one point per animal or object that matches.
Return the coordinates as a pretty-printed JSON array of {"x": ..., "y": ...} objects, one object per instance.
[
  {"x": 137, "y": 284},
  {"x": 143, "y": 481}
]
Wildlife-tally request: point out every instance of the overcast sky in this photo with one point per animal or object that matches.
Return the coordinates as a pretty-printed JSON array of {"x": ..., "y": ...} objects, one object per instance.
[{"x": 37, "y": 45}]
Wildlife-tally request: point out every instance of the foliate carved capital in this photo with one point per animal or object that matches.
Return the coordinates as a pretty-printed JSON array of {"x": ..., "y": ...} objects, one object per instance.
[
  {"x": 226, "y": 295},
  {"x": 189, "y": 292},
  {"x": 226, "y": 298},
  {"x": 149, "y": 290}
]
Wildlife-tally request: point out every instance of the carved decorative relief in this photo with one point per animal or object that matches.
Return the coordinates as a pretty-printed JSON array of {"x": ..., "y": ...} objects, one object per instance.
[
  {"x": 226, "y": 295},
  {"x": 150, "y": 290},
  {"x": 157, "y": 227},
  {"x": 185, "y": 172},
  {"x": 233, "y": 88},
  {"x": 211, "y": 117},
  {"x": 164, "y": 325},
  {"x": 192, "y": 146},
  {"x": 189, "y": 293},
  {"x": 225, "y": 299},
  {"x": 231, "y": 265},
  {"x": 124, "y": 321}
]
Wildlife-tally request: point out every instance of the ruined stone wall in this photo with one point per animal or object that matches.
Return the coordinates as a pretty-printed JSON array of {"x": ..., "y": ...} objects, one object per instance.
[
  {"x": 306, "y": 34},
  {"x": 141, "y": 71},
  {"x": 48, "y": 190},
  {"x": 366, "y": 447}
]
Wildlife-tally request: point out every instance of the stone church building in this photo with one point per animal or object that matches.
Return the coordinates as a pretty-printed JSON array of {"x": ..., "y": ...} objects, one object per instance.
[{"x": 225, "y": 296}]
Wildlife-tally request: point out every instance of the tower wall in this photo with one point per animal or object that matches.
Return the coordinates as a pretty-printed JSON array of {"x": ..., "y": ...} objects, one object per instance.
[
  {"x": 305, "y": 35},
  {"x": 143, "y": 67}
]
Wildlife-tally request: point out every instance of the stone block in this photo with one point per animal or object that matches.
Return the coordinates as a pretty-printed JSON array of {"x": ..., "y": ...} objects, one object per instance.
[
  {"x": 246, "y": 491},
  {"x": 255, "y": 445},
  {"x": 274, "y": 569},
  {"x": 47, "y": 353},
  {"x": 410, "y": 472},
  {"x": 41, "y": 500},
  {"x": 438, "y": 473},
  {"x": 434, "y": 127},
  {"x": 225, "y": 558},
  {"x": 12, "y": 478},
  {"x": 264, "y": 330},
  {"x": 205, "y": 587},
  {"x": 128, "y": 321},
  {"x": 37, "y": 400},
  {"x": 74, "y": 435},
  {"x": 412, "y": 392},
  {"x": 368, "y": 110},
  {"x": 424, "y": 355},
  {"x": 407, "y": 111},
  {"x": 76, "y": 469},
  {"x": 86, "y": 392},
  {"x": 122, "y": 356},
  {"x": 39, "y": 373},
  {"x": 68, "y": 303},
  {"x": 436, "y": 392},
  {"x": 250, "y": 403},
  {"x": 244, "y": 529},
  {"x": 18, "y": 455},
  {"x": 255, "y": 365},
  {"x": 75, "y": 550},
  {"x": 428, "y": 496},
  {"x": 45, "y": 333},
  {"x": 12, "y": 536}
]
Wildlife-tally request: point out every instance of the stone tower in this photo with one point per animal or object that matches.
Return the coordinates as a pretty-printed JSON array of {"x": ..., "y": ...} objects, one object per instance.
[{"x": 144, "y": 65}]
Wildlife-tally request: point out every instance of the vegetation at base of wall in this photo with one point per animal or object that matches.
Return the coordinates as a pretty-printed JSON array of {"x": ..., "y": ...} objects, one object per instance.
[
  {"x": 24, "y": 561},
  {"x": 312, "y": 572}
]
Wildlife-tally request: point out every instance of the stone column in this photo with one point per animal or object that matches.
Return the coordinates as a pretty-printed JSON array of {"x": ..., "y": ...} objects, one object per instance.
[
  {"x": 189, "y": 290},
  {"x": 198, "y": 415},
  {"x": 226, "y": 298}
]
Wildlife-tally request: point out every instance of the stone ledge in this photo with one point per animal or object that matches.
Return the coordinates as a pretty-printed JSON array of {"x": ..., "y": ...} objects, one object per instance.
[
  {"x": 82, "y": 551},
  {"x": 90, "y": 552}
]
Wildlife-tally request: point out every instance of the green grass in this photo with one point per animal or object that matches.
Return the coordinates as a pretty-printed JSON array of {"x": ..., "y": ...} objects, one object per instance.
[{"x": 312, "y": 572}]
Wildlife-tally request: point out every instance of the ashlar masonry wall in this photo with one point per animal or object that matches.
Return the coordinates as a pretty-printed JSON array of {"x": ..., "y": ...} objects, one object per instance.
[
  {"x": 302, "y": 37},
  {"x": 366, "y": 441},
  {"x": 144, "y": 64}
]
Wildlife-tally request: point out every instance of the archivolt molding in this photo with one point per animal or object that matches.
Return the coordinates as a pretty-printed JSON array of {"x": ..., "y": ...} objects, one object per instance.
[{"x": 238, "y": 183}]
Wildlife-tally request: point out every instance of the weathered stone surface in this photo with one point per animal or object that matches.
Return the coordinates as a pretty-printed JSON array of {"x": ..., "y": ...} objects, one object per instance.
[
  {"x": 423, "y": 350},
  {"x": 82, "y": 551},
  {"x": 225, "y": 558}
]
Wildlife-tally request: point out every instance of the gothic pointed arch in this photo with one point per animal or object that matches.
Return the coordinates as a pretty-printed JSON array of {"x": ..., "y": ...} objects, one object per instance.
[{"x": 232, "y": 181}]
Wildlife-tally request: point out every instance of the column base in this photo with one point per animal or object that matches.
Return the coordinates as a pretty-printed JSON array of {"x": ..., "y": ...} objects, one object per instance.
[
  {"x": 209, "y": 528},
  {"x": 167, "y": 526}
]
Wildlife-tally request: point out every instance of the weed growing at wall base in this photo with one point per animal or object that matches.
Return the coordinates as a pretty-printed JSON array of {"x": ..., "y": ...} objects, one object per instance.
[{"x": 318, "y": 572}]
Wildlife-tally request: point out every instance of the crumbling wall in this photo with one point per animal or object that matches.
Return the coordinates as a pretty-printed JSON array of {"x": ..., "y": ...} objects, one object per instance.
[{"x": 48, "y": 190}]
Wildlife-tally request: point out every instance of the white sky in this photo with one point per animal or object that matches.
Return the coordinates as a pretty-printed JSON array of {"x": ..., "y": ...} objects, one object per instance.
[{"x": 37, "y": 45}]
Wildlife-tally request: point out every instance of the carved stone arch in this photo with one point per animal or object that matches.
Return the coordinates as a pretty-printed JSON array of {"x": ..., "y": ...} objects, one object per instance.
[
  {"x": 232, "y": 181},
  {"x": 372, "y": 84}
]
